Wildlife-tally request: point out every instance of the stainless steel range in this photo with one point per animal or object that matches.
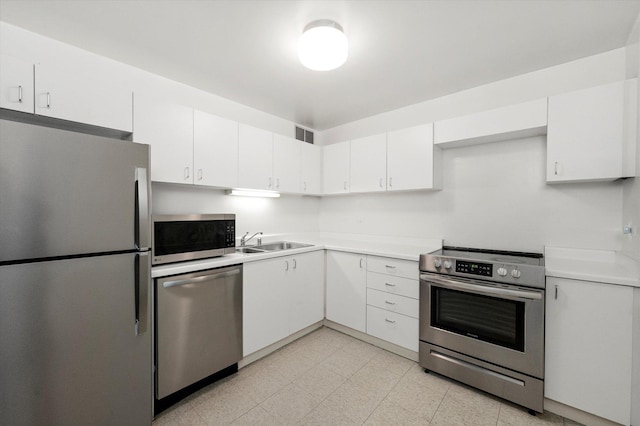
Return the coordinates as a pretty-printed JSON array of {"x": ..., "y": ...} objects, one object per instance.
[{"x": 482, "y": 320}]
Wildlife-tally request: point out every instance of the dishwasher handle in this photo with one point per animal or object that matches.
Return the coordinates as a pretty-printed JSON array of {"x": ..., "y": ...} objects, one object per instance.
[{"x": 196, "y": 280}]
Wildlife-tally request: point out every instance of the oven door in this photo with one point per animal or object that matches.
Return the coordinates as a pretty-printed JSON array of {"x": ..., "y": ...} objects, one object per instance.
[{"x": 498, "y": 323}]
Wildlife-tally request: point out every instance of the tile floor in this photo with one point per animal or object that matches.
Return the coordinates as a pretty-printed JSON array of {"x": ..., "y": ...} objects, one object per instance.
[{"x": 329, "y": 378}]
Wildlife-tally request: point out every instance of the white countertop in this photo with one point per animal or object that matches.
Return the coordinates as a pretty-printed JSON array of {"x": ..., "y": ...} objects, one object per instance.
[
  {"x": 395, "y": 247},
  {"x": 592, "y": 265}
]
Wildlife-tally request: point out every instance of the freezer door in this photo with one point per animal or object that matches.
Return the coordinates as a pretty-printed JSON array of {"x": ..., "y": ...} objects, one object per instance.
[
  {"x": 69, "y": 351},
  {"x": 64, "y": 193}
]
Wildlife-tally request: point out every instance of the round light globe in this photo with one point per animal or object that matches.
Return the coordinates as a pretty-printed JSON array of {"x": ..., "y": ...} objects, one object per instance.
[{"x": 323, "y": 46}]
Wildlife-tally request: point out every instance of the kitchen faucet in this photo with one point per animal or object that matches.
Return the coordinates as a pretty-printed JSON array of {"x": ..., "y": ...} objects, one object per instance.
[{"x": 244, "y": 240}]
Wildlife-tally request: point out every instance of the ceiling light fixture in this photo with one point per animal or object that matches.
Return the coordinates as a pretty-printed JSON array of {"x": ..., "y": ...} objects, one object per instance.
[{"x": 323, "y": 45}]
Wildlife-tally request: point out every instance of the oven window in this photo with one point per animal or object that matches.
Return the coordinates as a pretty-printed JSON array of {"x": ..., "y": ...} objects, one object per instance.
[
  {"x": 490, "y": 319},
  {"x": 190, "y": 236}
]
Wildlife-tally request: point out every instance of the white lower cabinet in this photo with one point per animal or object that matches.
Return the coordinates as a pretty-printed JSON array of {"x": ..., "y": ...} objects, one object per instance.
[
  {"x": 346, "y": 289},
  {"x": 393, "y": 291},
  {"x": 281, "y": 296},
  {"x": 588, "y": 347}
]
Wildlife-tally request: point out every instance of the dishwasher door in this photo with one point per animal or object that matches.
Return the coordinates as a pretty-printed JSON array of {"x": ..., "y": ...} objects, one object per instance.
[{"x": 199, "y": 326}]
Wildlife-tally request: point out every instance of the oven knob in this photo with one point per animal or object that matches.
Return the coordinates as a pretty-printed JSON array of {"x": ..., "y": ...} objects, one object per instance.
[
  {"x": 437, "y": 263},
  {"x": 516, "y": 274},
  {"x": 447, "y": 264},
  {"x": 502, "y": 271}
]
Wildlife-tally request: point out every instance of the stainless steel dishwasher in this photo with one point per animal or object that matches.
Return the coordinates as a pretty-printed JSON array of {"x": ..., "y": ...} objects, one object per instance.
[{"x": 198, "y": 326}]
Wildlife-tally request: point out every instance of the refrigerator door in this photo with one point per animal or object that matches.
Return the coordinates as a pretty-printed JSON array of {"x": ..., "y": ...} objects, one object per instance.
[
  {"x": 64, "y": 193},
  {"x": 69, "y": 349}
]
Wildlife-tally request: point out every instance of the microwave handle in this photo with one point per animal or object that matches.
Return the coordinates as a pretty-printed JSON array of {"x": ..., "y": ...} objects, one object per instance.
[
  {"x": 483, "y": 289},
  {"x": 142, "y": 209}
]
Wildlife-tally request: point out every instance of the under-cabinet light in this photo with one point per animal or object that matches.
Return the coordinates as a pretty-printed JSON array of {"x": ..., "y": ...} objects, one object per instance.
[{"x": 253, "y": 193}]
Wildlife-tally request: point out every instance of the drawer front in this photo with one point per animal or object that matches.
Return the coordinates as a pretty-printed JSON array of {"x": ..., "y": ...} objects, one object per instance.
[
  {"x": 396, "y": 267},
  {"x": 392, "y": 327},
  {"x": 393, "y": 302},
  {"x": 395, "y": 285}
]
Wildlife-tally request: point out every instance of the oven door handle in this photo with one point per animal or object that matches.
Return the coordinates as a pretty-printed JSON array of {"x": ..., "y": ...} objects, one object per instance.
[{"x": 483, "y": 289}]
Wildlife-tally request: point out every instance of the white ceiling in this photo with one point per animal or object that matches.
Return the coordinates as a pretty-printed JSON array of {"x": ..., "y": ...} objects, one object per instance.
[{"x": 401, "y": 51}]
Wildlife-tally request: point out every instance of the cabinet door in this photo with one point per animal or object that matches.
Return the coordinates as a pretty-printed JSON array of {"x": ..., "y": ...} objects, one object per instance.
[
  {"x": 215, "y": 150},
  {"x": 588, "y": 347},
  {"x": 346, "y": 289},
  {"x": 336, "y": 168},
  {"x": 168, "y": 128},
  {"x": 306, "y": 284},
  {"x": 16, "y": 84},
  {"x": 310, "y": 169},
  {"x": 265, "y": 306},
  {"x": 286, "y": 164},
  {"x": 411, "y": 163},
  {"x": 255, "y": 160},
  {"x": 369, "y": 164},
  {"x": 83, "y": 93},
  {"x": 585, "y": 134}
]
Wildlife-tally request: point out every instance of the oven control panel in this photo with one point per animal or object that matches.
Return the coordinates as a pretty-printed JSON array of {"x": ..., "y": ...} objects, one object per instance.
[{"x": 475, "y": 268}]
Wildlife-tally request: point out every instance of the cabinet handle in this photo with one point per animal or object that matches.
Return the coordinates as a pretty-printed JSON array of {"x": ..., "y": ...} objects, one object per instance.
[
  {"x": 389, "y": 284},
  {"x": 304, "y": 184},
  {"x": 269, "y": 182},
  {"x": 186, "y": 172},
  {"x": 20, "y": 94},
  {"x": 361, "y": 259},
  {"x": 277, "y": 182},
  {"x": 48, "y": 99},
  {"x": 389, "y": 303},
  {"x": 295, "y": 264},
  {"x": 199, "y": 174},
  {"x": 555, "y": 168},
  {"x": 345, "y": 185},
  {"x": 390, "y": 181},
  {"x": 556, "y": 295},
  {"x": 388, "y": 320},
  {"x": 390, "y": 266},
  {"x": 381, "y": 180},
  {"x": 286, "y": 262}
]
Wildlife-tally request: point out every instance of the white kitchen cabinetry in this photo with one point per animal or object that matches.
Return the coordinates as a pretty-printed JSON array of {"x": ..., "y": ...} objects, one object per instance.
[
  {"x": 588, "y": 347},
  {"x": 412, "y": 160},
  {"x": 311, "y": 160},
  {"x": 336, "y": 168},
  {"x": 16, "y": 84},
  {"x": 586, "y": 135},
  {"x": 286, "y": 164},
  {"x": 368, "y": 164},
  {"x": 280, "y": 297},
  {"x": 392, "y": 301},
  {"x": 168, "y": 128},
  {"x": 346, "y": 289},
  {"x": 215, "y": 150},
  {"x": 511, "y": 122},
  {"x": 255, "y": 166},
  {"x": 85, "y": 94}
]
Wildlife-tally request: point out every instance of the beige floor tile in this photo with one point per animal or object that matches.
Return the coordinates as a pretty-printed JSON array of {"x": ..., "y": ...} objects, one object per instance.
[
  {"x": 291, "y": 365},
  {"x": 354, "y": 401},
  {"x": 464, "y": 406},
  {"x": 392, "y": 362},
  {"x": 317, "y": 351},
  {"x": 345, "y": 363},
  {"x": 326, "y": 415},
  {"x": 225, "y": 406},
  {"x": 512, "y": 415},
  {"x": 390, "y": 414},
  {"x": 320, "y": 381},
  {"x": 257, "y": 416},
  {"x": 180, "y": 414},
  {"x": 362, "y": 349},
  {"x": 569, "y": 422},
  {"x": 291, "y": 404},
  {"x": 419, "y": 397},
  {"x": 261, "y": 385},
  {"x": 331, "y": 337},
  {"x": 379, "y": 379}
]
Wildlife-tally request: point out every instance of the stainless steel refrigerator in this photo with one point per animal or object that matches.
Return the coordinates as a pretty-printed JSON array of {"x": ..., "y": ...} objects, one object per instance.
[{"x": 75, "y": 337}]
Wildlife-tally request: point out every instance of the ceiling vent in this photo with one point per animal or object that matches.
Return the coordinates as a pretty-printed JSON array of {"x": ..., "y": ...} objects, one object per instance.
[{"x": 304, "y": 135}]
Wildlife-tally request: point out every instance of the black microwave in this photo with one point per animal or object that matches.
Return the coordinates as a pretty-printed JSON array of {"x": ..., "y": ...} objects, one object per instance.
[{"x": 177, "y": 238}]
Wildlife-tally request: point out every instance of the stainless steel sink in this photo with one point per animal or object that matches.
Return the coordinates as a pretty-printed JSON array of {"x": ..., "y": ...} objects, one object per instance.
[
  {"x": 282, "y": 245},
  {"x": 248, "y": 250}
]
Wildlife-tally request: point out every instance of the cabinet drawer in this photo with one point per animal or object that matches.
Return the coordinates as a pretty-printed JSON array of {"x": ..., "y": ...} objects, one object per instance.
[
  {"x": 393, "y": 302},
  {"x": 392, "y": 327},
  {"x": 390, "y": 266},
  {"x": 395, "y": 285}
]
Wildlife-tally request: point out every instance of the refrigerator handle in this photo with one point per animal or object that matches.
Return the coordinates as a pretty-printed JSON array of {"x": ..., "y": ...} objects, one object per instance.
[
  {"x": 142, "y": 209},
  {"x": 141, "y": 291}
]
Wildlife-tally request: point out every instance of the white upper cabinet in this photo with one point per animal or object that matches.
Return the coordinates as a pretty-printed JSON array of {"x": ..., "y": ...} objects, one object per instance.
[
  {"x": 510, "y": 122},
  {"x": 215, "y": 150},
  {"x": 586, "y": 135},
  {"x": 368, "y": 164},
  {"x": 286, "y": 164},
  {"x": 311, "y": 160},
  {"x": 84, "y": 93},
  {"x": 16, "y": 84},
  {"x": 412, "y": 161},
  {"x": 255, "y": 160},
  {"x": 168, "y": 128},
  {"x": 336, "y": 168}
]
